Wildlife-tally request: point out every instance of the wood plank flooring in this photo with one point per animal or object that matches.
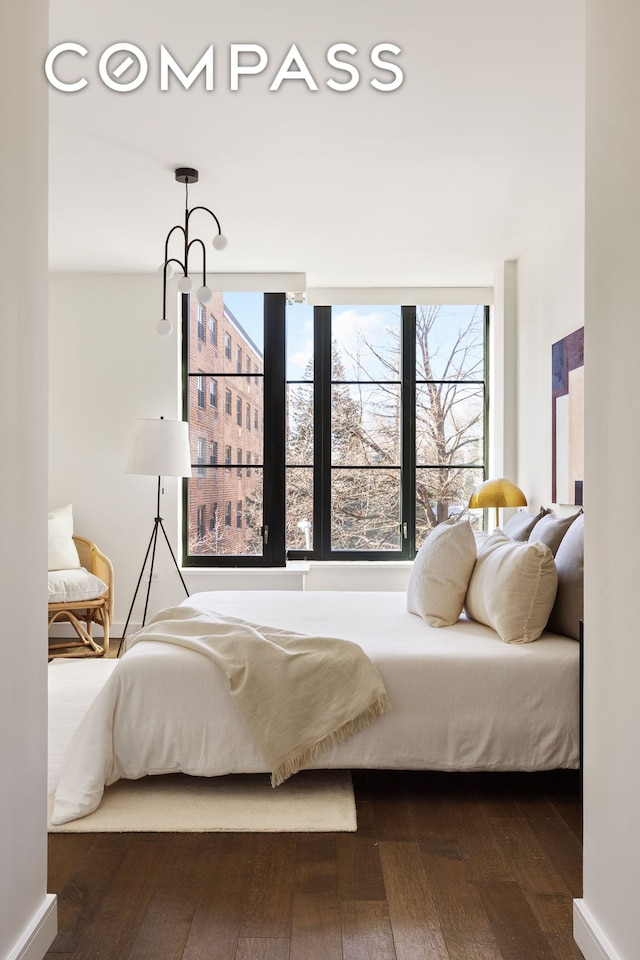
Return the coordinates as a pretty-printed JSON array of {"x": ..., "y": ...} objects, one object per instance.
[{"x": 443, "y": 867}]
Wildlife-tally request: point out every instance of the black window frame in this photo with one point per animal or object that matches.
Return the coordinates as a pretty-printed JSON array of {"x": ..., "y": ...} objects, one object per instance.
[{"x": 274, "y": 443}]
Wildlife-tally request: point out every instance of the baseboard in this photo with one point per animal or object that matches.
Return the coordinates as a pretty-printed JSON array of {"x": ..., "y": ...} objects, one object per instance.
[
  {"x": 589, "y": 936},
  {"x": 40, "y": 933}
]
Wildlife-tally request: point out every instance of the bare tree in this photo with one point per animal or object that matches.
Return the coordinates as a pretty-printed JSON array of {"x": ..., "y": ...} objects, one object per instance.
[
  {"x": 365, "y": 433},
  {"x": 450, "y": 417}
]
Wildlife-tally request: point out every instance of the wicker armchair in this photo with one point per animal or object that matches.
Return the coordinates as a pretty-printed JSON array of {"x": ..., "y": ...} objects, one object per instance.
[{"x": 82, "y": 614}]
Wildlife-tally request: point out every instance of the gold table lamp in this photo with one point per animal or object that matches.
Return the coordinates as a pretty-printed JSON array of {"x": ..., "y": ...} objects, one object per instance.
[{"x": 497, "y": 493}]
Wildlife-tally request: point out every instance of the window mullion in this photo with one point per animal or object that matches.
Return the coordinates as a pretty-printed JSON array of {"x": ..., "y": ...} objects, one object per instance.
[
  {"x": 184, "y": 350},
  {"x": 322, "y": 432},
  {"x": 408, "y": 449},
  {"x": 274, "y": 428}
]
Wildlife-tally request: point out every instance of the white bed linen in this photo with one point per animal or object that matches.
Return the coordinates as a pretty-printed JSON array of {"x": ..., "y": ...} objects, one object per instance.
[{"x": 461, "y": 699}]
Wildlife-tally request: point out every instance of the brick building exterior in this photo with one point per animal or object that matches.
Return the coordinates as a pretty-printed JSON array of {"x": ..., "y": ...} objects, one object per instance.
[{"x": 226, "y": 430}]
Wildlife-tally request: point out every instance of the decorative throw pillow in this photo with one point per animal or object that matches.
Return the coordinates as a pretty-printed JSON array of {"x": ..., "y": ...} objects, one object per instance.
[
  {"x": 520, "y": 525},
  {"x": 440, "y": 573},
  {"x": 551, "y": 529},
  {"x": 512, "y": 588},
  {"x": 68, "y": 586},
  {"x": 63, "y": 554},
  {"x": 480, "y": 536},
  {"x": 568, "y": 610}
]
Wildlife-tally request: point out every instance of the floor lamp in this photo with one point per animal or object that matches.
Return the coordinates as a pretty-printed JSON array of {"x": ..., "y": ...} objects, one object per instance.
[
  {"x": 497, "y": 493},
  {"x": 160, "y": 448}
]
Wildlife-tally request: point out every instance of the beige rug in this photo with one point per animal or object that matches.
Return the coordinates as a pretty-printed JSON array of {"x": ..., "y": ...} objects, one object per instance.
[{"x": 313, "y": 800}]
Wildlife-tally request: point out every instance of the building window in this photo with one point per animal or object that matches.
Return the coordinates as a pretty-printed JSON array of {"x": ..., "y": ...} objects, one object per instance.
[
  {"x": 239, "y": 359},
  {"x": 227, "y": 514},
  {"x": 202, "y": 329},
  {"x": 227, "y": 346},
  {"x": 213, "y": 452},
  {"x": 202, "y": 518},
  {"x": 239, "y": 510},
  {"x": 201, "y": 443},
  {"x": 213, "y": 516},
  {"x": 247, "y": 419},
  {"x": 255, "y": 419},
  {"x": 227, "y": 457},
  {"x": 248, "y": 369},
  {"x": 213, "y": 329},
  {"x": 201, "y": 392},
  {"x": 239, "y": 411},
  {"x": 239, "y": 462},
  {"x": 227, "y": 402},
  {"x": 248, "y": 462},
  {"x": 213, "y": 392}
]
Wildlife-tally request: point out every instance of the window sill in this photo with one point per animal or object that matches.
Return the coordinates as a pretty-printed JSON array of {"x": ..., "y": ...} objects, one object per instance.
[{"x": 294, "y": 568}]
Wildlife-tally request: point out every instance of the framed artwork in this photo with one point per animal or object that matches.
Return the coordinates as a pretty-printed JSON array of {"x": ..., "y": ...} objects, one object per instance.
[{"x": 567, "y": 411}]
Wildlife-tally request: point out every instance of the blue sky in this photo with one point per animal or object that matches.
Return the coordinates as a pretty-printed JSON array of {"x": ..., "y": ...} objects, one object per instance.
[{"x": 350, "y": 325}]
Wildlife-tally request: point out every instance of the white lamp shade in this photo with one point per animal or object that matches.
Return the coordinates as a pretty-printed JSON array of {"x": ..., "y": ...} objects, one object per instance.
[{"x": 160, "y": 448}]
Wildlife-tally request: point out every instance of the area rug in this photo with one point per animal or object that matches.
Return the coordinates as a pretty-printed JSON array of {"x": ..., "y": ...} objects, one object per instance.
[{"x": 313, "y": 800}]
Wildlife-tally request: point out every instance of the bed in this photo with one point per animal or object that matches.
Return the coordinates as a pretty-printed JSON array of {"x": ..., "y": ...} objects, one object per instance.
[{"x": 460, "y": 699}]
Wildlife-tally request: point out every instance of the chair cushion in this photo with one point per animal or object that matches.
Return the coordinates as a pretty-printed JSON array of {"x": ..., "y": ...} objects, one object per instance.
[
  {"x": 70, "y": 586},
  {"x": 63, "y": 554}
]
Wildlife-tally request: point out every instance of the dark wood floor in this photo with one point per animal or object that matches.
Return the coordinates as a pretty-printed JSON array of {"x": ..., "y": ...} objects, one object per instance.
[{"x": 443, "y": 867}]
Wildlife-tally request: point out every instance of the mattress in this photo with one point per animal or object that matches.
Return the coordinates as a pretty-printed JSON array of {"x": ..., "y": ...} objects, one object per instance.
[{"x": 461, "y": 699}]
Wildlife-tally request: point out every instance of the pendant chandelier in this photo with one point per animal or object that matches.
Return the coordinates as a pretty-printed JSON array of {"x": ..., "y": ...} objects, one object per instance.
[{"x": 174, "y": 265}]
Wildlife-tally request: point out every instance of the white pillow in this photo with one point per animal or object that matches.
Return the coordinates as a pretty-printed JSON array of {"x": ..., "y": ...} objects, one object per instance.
[
  {"x": 440, "y": 573},
  {"x": 481, "y": 537},
  {"x": 63, "y": 554},
  {"x": 512, "y": 588},
  {"x": 69, "y": 586}
]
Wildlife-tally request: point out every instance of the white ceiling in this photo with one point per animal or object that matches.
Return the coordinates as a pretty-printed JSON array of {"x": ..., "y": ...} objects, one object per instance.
[{"x": 479, "y": 150}]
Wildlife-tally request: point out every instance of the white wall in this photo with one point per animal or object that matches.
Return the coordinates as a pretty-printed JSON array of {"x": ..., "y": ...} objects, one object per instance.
[
  {"x": 550, "y": 306},
  {"x": 27, "y": 914},
  {"x": 108, "y": 368},
  {"x": 608, "y": 914},
  {"x": 503, "y": 395}
]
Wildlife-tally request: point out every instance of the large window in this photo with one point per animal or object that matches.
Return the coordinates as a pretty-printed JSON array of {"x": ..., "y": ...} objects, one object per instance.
[{"x": 375, "y": 427}]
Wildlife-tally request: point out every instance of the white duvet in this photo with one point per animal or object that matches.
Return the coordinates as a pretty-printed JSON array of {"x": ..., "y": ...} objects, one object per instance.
[{"x": 461, "y": 699}]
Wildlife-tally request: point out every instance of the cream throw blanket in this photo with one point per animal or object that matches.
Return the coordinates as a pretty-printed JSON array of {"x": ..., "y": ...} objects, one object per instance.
[{"x": 297, "y": 694}]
